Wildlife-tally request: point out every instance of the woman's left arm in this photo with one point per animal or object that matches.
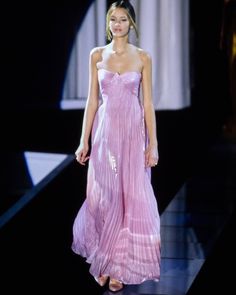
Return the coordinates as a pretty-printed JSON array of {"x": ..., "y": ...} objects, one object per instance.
[{"x": 151, "y": 153}]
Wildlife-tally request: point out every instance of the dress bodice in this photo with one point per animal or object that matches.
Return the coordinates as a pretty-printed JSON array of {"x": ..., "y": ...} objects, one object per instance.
[{"x": 113, "y": 84}]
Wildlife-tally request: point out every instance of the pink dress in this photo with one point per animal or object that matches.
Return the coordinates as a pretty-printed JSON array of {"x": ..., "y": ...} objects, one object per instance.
[{"x": 117, "y": 229}]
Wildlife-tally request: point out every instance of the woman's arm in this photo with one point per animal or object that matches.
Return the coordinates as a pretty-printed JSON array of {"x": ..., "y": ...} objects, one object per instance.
[
  {"x": 90, "y": 108},
  {"x": 151, "y": 153}
]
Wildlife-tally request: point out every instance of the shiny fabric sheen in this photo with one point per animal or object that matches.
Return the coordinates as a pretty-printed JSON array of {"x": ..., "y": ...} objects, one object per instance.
[{"x": 117, "y": 229}]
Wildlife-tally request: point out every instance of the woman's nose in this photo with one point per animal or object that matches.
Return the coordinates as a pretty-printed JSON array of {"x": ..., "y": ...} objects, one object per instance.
[{"x": 117, "y": 22}]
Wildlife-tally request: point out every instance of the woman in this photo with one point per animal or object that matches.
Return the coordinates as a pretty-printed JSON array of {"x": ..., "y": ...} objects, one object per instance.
[{"x": 117, "y": 228}]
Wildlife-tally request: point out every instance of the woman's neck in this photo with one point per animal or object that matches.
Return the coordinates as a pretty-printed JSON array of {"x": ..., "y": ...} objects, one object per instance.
[{"x": 119, "y": 46}]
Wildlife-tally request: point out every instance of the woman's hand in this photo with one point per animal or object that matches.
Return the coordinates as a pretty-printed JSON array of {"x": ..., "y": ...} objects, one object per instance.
[
  {"x": 151, "y": 156},
  {"x": 81, "y": 153}
]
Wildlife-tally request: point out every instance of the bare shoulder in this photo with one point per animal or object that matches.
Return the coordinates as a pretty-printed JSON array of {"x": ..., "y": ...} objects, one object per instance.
[
  {"x": 96, "y": 52},
  {"x": 144, "y": 56}
]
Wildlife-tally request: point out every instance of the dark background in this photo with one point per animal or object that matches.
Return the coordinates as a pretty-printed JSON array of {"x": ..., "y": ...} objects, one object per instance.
[{"x": 36, "y": 41}]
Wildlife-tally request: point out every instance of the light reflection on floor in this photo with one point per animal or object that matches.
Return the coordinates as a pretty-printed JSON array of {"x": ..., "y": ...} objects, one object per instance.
[
  {"x": 42, "y": 168},
  {"x": 41, "y": 164}
]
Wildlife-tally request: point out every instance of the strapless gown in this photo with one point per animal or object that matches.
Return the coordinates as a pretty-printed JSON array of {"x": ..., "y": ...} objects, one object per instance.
[{"x": 117, "y": 229}]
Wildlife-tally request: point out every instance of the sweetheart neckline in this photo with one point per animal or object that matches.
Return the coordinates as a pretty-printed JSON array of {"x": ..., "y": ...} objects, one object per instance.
[{"x": 120, "y": 74}]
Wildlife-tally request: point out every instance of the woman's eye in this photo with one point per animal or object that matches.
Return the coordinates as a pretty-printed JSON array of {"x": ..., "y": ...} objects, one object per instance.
[{"x": 113, "y": 20}]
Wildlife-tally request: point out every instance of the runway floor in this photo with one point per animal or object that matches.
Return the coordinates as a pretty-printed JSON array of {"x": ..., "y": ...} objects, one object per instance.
[{"x": 197, "y": 228}]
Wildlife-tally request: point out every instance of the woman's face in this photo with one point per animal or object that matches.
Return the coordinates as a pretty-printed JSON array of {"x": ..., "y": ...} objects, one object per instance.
[{"x": 119, "y": 23}]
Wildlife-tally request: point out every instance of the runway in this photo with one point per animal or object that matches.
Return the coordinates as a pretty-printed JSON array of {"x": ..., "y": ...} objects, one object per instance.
[
  {"x": 42, "y": 187},
  {"x": 197, "y": 207}
]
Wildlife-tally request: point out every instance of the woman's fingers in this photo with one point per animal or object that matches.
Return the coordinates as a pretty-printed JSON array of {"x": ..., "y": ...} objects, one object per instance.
[
  {"x": 150, "y": 160},
  {"x": 82, "y": 157}
]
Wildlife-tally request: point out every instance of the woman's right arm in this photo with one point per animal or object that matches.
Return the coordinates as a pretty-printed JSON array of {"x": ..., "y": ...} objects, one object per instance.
[{"x": 90, "y": 108}]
